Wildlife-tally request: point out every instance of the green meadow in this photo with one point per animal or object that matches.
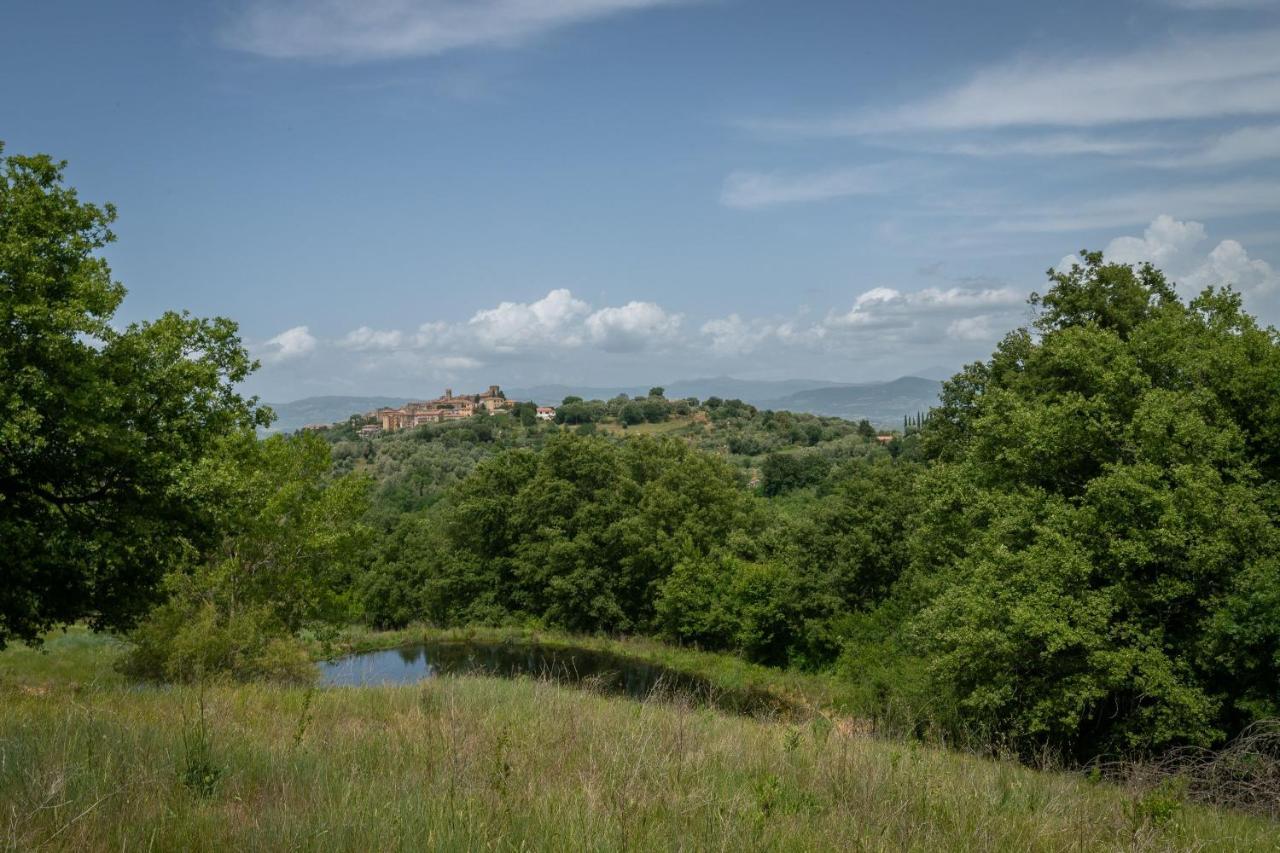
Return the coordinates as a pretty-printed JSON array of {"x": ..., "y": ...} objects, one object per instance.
[{"x": 89, "y": 761}]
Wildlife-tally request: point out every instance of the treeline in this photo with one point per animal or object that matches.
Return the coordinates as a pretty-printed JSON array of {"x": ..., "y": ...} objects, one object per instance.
[
  {"x": 1084, "y": 556},
  {"x": 1076, "y": 551}
]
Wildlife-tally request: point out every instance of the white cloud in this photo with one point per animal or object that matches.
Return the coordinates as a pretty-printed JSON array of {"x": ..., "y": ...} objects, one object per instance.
[
  {"x": 557, "y": 321},
  {"x": 1049, "y": 145},
  {"x": 730, "y": 336},
  {"x": 632, "y": 327},
  {"x": 1204, "y": 200},
  {"x": 1229, "y": 263},
  {"x": 881, "y": 320},
  {"x": 753, "y": 190},
  {"x": 887, "y": 306},
  {"x": 354, "y": 30},
  {"x": 1212, "y": 75},
  {"x": 1176, "y": 247},
  {"x": 550, "y": 321},
  {"x": 454, "y": 362},
  {"x": 365, "y": 338},
  {"x": 1165, "y": 242},
  {"x": 977, "y": 328},
  {"x": 1243, "y": 145},
  {"x": 289, "y": 344}
]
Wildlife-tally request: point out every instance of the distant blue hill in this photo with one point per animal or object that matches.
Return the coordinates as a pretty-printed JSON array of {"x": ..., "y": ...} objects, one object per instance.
[
  {"x": 882, "y": 403},
  {"x": 325, "y": 410},
  {"x": 748, "y": 390}
]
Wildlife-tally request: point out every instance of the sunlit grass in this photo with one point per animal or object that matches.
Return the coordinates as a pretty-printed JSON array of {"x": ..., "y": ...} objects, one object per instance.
[{"x": 477, "y": 763}]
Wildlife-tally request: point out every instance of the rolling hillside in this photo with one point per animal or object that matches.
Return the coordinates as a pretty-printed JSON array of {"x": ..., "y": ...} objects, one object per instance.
[{"x": 882, "y": 403}]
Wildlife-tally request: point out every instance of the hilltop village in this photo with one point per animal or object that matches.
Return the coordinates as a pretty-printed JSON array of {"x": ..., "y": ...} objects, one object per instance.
[{"x": 445, "y": 408}]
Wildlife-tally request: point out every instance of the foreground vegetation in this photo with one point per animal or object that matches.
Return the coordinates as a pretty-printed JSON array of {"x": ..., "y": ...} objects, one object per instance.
[{"x": 472, "y": 763}]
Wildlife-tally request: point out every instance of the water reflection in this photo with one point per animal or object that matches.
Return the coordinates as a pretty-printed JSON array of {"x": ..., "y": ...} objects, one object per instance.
[{"x": 596, "y": 670}]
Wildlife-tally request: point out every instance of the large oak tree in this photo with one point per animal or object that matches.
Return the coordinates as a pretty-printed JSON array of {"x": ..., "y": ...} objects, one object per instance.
[{"x": 99, "y": 424}]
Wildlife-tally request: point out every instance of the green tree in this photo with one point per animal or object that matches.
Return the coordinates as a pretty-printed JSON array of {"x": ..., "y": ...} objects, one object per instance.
[
  {"x": 785, "y": 472},
  {"x": 1095, "y": 558},
  {"x": 98, "y": 425},
  {"x": 582, "y": 533},
  {"x": 291, "y": 558}
]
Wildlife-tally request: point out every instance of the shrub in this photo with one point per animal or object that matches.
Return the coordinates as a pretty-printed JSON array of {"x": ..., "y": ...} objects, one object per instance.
[{"x": 187, "y": 641}]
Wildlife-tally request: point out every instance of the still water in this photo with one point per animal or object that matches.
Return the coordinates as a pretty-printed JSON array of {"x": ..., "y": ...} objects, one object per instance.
[{"x": 601, "y": 671}]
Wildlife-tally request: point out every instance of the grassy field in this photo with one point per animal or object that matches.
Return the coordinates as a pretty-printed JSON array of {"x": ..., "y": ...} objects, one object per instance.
[{"x": 89, "y": 762}]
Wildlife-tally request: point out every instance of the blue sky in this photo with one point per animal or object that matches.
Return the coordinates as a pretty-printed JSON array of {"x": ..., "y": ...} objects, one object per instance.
[{"x": 394, "y": 195}]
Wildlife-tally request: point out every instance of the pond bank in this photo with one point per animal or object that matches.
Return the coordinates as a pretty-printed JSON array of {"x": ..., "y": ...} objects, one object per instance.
[
  {"x": 605, "y": 672},
  {"x": 804, "y": 694}
]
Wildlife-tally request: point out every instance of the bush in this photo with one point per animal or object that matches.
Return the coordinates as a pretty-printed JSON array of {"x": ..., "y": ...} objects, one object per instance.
[
  {"x": 785, "y": 472},
  {"x": 760, "y": 609},
  {"x": 187, "y": 640}
]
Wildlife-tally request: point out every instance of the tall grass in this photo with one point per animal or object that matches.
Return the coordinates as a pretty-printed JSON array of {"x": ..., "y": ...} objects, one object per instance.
[{"x": 476, "y": 763}]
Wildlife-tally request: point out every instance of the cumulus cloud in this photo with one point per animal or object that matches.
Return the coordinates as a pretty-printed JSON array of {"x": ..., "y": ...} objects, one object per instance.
[
  {"x": 977, "y": 328},
  {"x": 356, "y": 30},
  {"x": 732, "y": 335},
  {"x": 880, "y": 320},
  {"x": 558, "y": 321},
  {"x": 1213, "y": 75},
  {"x": 1177, "y": 248},
  {"x": 550, "y": 321},
  {"x": 886, "y": 306},
  {"x": 365, "y": 338},
  {"x": 632, "y": 327},
  {"x": 289, "y": 344}
]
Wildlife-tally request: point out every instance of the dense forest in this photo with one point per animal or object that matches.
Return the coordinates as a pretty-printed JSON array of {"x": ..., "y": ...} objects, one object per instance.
[{"x": 1077, "y": 550}]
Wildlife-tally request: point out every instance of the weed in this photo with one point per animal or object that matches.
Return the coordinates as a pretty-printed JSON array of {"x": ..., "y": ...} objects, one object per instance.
[
  {"x": 199, "y": 771},
  {"x": 304, "y": 717}
]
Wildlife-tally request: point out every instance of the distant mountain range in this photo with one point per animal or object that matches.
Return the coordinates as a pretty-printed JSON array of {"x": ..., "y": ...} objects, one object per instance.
[
  {"x": 325, "y": 410},
  {"x": 882, "y": 403},
  {"x": 747, "y": 390}
]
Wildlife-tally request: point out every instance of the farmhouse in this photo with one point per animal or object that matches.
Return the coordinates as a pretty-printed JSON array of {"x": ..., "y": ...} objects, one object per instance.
[
  {"x": 546, "y": 413},
  {"x": 444, "y": 408}
]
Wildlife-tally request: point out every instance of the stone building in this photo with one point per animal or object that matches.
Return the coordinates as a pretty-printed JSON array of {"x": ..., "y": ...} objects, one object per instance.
[{"x": 444, "y": 408}]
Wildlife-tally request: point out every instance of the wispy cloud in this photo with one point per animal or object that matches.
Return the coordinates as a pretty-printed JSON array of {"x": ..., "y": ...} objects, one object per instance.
[
  {"x": 753, "y": 190},
  {"x": 1048, "y": 145},
  {"x": 1209, "y": 76},
  {"x": 358, "y": 30},
  {"x": 1243, "y": 145},
  {"x": 1203, "y": 200},
  {"x": 1218, "y": 5}
]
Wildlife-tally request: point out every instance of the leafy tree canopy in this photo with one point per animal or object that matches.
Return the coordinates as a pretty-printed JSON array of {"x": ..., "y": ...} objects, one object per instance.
[
  {"x": 98, "y": 424},
  {"x": 1096, "y": 553}
]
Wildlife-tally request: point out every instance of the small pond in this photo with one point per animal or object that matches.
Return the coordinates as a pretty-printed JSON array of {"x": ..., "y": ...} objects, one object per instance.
[{"x": 601, "y": 671}]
